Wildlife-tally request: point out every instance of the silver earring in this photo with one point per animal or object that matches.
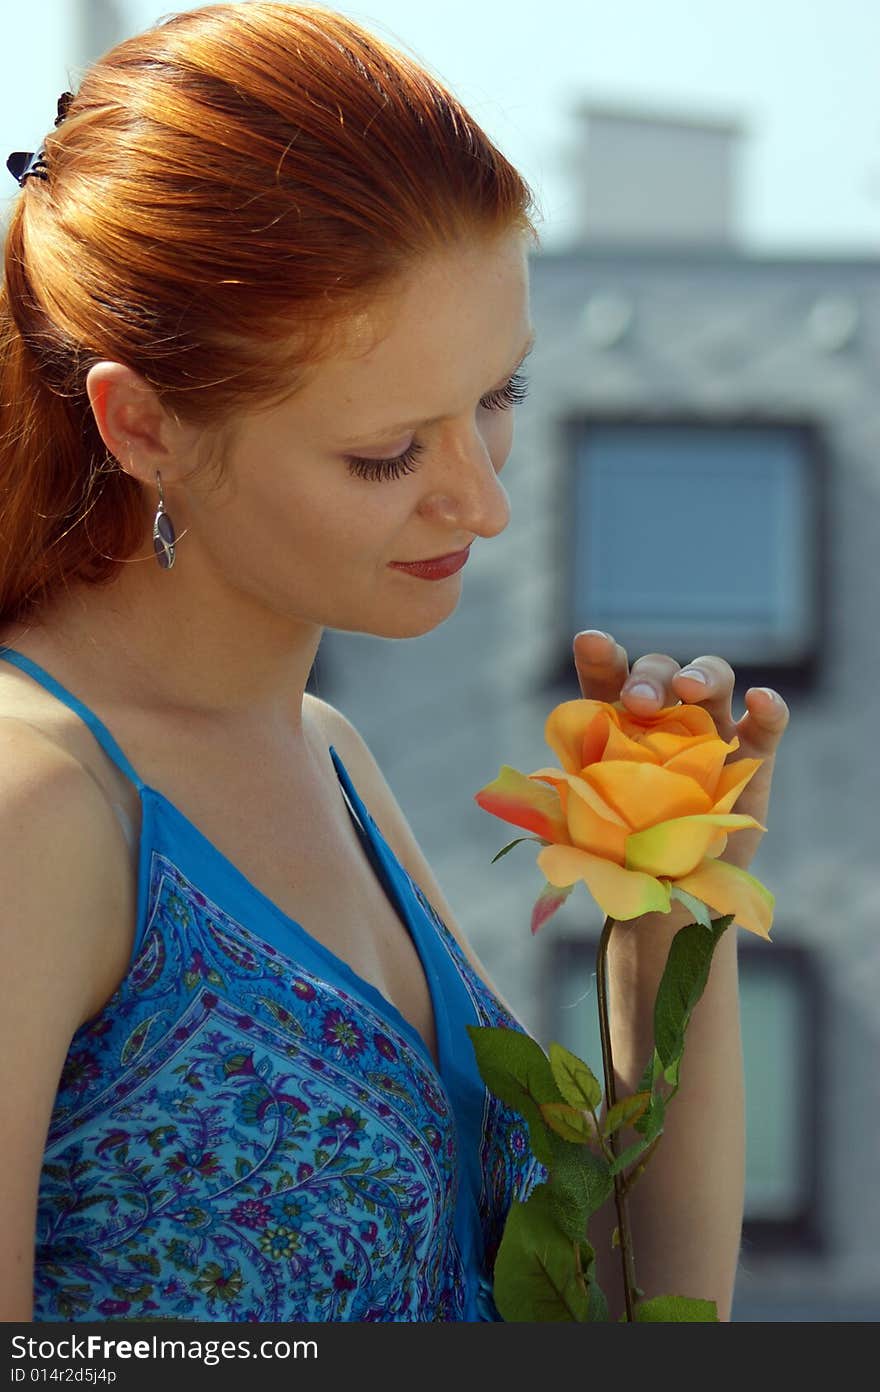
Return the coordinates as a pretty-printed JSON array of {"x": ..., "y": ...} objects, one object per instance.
[{"x": 164, "y": 536}]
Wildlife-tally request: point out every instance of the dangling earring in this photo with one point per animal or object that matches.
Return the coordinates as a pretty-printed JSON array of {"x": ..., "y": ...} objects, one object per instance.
[{"x": 164, "y": 536}]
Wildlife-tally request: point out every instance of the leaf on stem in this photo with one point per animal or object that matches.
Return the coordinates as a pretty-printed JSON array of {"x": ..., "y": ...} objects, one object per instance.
[
  {"x": 694, "y": 905},
  {"x": 575, "y": 1080},
  {"x": 579, "y": 1183},
  {"x": 676, "y": 1309},
  {"x": 626, "y": 1112},
  {"x": 571, "y": 1123},
  {"x": 681, "y": 986},
  {"x": 515, "y": 1069},
  {"x": 510, "y": 845},
  {"x": 540, "y": 1273}
]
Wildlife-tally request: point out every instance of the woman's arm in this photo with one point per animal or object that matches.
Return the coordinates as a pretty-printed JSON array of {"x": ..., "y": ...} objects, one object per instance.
[
  {"x": 686, "y": 1208},
  {"x": 64, "y": 891}
]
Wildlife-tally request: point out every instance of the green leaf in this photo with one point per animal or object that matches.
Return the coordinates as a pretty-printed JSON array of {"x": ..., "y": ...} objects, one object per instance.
[
  {"x": 510, "y": 845},
  {"x": 676, "y": 1309},
  {"x": 597, "y": 1309},
  {"x": 629, "y": 1156},
  {"x": 580, "y": 1182},
  {"x": 515, "y": 1069},
  {"x": 571, "y": 1123},
  {"x": 575, "y": 1080},
  {"x": 691, "y": 902},
  {"x": 625, "y": 1112},
  {"x": 683, "y": 981},
  {"x": 651, "y": 1123},
  {"x": 536, "y": 1275}
]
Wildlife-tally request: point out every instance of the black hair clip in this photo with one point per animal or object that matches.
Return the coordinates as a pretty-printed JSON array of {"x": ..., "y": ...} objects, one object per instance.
[{"x": 23, "y": 164}]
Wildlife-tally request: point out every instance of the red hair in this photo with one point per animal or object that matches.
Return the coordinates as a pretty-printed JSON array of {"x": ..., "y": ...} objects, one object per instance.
[{"x": 223, "y": 189}]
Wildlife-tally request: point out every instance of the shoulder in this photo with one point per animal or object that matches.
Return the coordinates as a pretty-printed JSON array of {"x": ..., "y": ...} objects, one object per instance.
[
  {"x": 64, "y": 868},
  {"x": 336, "y": 729}
]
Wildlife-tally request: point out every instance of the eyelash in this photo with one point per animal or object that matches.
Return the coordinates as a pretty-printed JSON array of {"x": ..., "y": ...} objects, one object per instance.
[{"x": 511, "y": 394}]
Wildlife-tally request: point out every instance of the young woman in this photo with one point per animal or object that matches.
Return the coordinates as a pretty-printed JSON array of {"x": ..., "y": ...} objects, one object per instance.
[{"x": 264, "y": 311}]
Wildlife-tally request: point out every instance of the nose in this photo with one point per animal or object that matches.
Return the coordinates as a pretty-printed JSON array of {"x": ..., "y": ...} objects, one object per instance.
[{"x": 467, "y": 495}]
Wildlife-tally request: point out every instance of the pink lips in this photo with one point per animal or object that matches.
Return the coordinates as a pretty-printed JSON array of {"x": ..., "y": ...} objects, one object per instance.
[{"x": 436, "y": 569}]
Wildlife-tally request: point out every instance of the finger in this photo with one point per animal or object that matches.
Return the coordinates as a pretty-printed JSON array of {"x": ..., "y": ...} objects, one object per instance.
[
  {"x": 764, "y": 723},
  {"x": 708, "y": 682},
  {"x": 602, "y": 665},
  {"x": 649, "y": 685}
]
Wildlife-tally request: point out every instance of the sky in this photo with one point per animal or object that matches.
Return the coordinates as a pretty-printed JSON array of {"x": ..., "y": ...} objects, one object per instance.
[{"x": 803, "y": 76}]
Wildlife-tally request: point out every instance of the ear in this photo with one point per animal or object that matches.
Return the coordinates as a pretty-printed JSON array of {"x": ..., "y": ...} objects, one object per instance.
[{"x": 134, "y": 425}]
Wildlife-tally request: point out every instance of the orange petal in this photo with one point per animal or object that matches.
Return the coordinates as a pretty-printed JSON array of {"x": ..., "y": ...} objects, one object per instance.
[
  {"x": 730, "y": 890},
  {"x": 703, "y": 762},
  {"x": 585, "y": 791},
  {"x": 620, "y": 893},
  {"x": 591, "y": 831},
  {"x": 666, "y": 746},
  {"x": 515, "y": 798},
  {"x": 645, "y": 794},
  {"x": 732, "y": 779},
  {"x": 677, "y": 847},
  {"x": 671, "y": 720},
  {"x": 576, "y": 731},
  {"x": 717, "y": 846},
  {"x": 620, "y": 746}
]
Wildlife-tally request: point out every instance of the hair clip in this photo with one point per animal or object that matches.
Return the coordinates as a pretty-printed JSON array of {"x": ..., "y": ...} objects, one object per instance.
[{"x": 24, "y": 164}]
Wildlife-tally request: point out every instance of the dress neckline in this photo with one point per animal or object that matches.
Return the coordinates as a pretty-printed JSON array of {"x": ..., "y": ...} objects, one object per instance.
[
  {"x": 393, "y": 877},
  {"x": 384, "y": 863}
]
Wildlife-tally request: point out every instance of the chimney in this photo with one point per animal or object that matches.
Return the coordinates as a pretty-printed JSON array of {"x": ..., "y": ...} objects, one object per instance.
[{"x": 657, "y": 179}]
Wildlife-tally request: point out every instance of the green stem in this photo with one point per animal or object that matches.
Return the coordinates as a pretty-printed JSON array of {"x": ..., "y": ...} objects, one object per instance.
[{"x": 626, "y": 1251}]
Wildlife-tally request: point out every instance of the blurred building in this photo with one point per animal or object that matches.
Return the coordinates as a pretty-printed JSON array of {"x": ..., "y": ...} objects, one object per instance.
[{"x": 695, "y": 471}]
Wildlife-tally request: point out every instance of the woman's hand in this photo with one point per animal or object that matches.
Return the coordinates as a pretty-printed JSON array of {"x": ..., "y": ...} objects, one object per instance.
[{"x": 604, "y": 675}]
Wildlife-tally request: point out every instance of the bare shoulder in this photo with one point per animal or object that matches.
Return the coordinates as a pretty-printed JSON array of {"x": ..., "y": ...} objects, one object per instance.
[
  {"x": 373, "y": 788},
  {"x": 63, "y": 897},
  {"x": 63, "y": 850}
]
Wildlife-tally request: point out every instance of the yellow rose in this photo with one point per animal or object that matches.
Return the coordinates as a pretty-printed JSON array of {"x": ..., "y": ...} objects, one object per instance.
[{"x": 640, "y": 806}]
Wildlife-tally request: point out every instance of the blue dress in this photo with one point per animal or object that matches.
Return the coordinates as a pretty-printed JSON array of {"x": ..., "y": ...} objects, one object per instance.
[{"x": 249, "y": 1131}]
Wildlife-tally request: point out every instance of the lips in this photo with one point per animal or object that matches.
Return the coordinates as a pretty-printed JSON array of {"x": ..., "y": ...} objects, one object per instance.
[{"x": 437, "y": 568}]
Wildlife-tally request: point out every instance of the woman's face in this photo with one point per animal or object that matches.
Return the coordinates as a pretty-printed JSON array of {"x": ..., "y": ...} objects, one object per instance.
[{"x": 312, "y": 512}]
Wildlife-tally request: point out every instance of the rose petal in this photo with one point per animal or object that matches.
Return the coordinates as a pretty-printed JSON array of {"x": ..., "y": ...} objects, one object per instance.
[
  {"x": 620, "y": 746},
  {"x": 703, "y": 762},
  {"x": 671, "y": 720},
  {"x": 515, "y": 798},
  {"x": 645, "y": 794},
  {"x": 732, "y": 779},
  {"x": 576, "y": 731},
  {"x": 585, "y": 791},
  {"x": 677, "y": 847},
  {"x": 620, "y": 893},
  {"x": 730, "y": 890}
]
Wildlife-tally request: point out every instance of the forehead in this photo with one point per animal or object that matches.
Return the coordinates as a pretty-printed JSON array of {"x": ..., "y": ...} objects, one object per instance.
[{"x": 458, "y": 316}]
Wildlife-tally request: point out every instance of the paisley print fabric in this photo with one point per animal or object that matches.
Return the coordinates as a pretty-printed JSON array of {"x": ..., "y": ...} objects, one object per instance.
[{"x": 249, "y": 1132}]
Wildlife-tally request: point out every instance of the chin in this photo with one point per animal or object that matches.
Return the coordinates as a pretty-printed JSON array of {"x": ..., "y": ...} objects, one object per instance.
[{"x": 397, "y": 625}]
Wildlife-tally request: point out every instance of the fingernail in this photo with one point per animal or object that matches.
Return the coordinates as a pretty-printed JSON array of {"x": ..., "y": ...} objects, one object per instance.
[
  {"x": 593, "y": 633},
  {"x": 643, "y": 691},
  {"x": 694, "y": 674}
]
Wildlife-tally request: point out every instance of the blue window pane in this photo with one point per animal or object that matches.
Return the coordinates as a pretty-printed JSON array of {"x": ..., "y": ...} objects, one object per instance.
[{"x": 697, "y": 534}]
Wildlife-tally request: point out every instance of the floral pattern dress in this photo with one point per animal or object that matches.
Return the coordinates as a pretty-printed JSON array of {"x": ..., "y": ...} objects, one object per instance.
[{"x": 248, "y": 1131}]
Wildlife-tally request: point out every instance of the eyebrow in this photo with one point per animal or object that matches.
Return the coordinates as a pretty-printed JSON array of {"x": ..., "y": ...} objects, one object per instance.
[{"x": 401, "y": 426}]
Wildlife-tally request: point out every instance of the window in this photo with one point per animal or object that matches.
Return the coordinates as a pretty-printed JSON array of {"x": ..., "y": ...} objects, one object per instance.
[
  {"x": 697, "y": 536},
  {"x": 782, "y": 1033}
]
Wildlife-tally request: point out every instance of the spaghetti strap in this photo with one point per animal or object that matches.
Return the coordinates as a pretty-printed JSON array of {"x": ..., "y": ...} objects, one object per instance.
[{"x": 97, "y": 727}]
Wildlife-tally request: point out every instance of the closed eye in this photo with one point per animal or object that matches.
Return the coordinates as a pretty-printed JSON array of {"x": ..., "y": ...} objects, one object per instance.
[{"x": 511, "y": 394}]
